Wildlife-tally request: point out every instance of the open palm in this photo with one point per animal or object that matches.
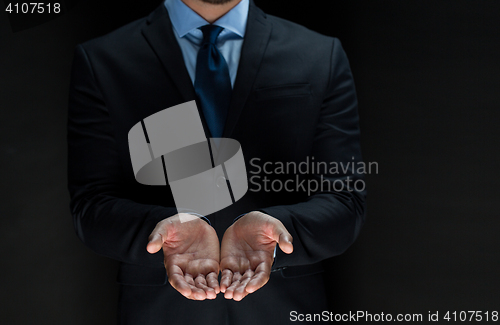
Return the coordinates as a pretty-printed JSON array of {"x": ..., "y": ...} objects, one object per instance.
[
  {"x": 191, "y": 255},
  {"x": 247, "y": 251}
]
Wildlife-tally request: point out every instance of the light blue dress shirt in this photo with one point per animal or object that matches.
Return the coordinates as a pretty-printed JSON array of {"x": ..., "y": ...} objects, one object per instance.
[{"x": 186, "y": 23}]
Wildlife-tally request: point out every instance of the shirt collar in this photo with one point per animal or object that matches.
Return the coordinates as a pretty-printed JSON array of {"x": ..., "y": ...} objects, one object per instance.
[{"x": 184, "y": 19}]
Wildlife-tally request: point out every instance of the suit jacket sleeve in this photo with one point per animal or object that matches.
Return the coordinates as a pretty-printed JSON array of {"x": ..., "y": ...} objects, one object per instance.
[
  {"x": 328, "y": 222},
  {"x": 105, "y": 220}
]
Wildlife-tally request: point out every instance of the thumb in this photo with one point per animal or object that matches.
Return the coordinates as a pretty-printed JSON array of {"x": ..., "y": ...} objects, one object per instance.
[
  {"x": 155, "y": 243},
  {"x": 283, "y": 238},
  {"x": 285, "y": 242}
]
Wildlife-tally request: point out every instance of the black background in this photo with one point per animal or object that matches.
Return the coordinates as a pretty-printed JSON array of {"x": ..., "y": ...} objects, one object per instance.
[{"x": 428, "y": 81}]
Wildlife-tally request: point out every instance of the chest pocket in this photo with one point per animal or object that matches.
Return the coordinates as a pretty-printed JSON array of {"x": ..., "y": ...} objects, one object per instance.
[
  {"x": 278, "y": 118},
  {"x": 282, "y": 91}
]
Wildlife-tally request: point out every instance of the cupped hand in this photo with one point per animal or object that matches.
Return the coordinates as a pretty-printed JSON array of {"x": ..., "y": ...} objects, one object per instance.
[
  {"x": 191, "y": 255},
  {"x": 247, "y": 251}
]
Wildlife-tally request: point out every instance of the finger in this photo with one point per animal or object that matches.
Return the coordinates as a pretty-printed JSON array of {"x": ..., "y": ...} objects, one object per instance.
[
  {"x": 201, "y": 283},
  {"x": 235, "y": 283},
  {"x": 284, "y": 239},
  {"x": 228, "y": 294},
  {"x": 213, "y": 282},
  {"x": 226, "y": 280},
  {"x": 179, "y": 283},
  {"x": 260, "y": 278},
  {"x": 157, "y": 237},
  {"x": 198, "y": 293},
  {"x": 189, "y": 279},
  {"x": 200, "y": 279},
  {"x": 246, "y": 277},
  {"x": 155, "y": 242},
  {"x": 257, "y": 282},
  {"x": 240, "y": 292}
]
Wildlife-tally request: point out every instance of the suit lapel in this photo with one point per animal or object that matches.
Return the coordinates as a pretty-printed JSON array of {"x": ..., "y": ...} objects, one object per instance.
[
  {"x": 160, "y": 36},
  {"x": 257, "y": 36}
]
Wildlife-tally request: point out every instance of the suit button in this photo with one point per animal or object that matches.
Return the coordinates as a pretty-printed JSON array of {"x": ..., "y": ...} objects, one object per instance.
[{"x": 221, "y": 181}]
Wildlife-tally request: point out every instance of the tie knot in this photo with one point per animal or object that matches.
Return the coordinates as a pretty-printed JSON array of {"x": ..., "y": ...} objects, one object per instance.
[{"x": 210, "y": 33}]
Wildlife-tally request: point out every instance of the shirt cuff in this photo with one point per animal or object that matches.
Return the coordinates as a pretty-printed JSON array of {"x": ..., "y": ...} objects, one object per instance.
[
  {"x": 238, "y": 217},
  {"x": 195, "y": 214}
]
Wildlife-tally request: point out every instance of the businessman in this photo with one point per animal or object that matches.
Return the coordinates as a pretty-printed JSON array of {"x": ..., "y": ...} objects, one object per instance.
[{"x": 286, "y": 94}]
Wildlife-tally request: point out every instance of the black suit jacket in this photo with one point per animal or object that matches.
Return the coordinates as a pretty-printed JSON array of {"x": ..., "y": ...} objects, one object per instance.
[{"x": 293, "y": 98}]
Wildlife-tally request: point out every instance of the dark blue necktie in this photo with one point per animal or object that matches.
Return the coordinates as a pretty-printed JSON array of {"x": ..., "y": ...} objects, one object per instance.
[{"x": 212, "y": 83}]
